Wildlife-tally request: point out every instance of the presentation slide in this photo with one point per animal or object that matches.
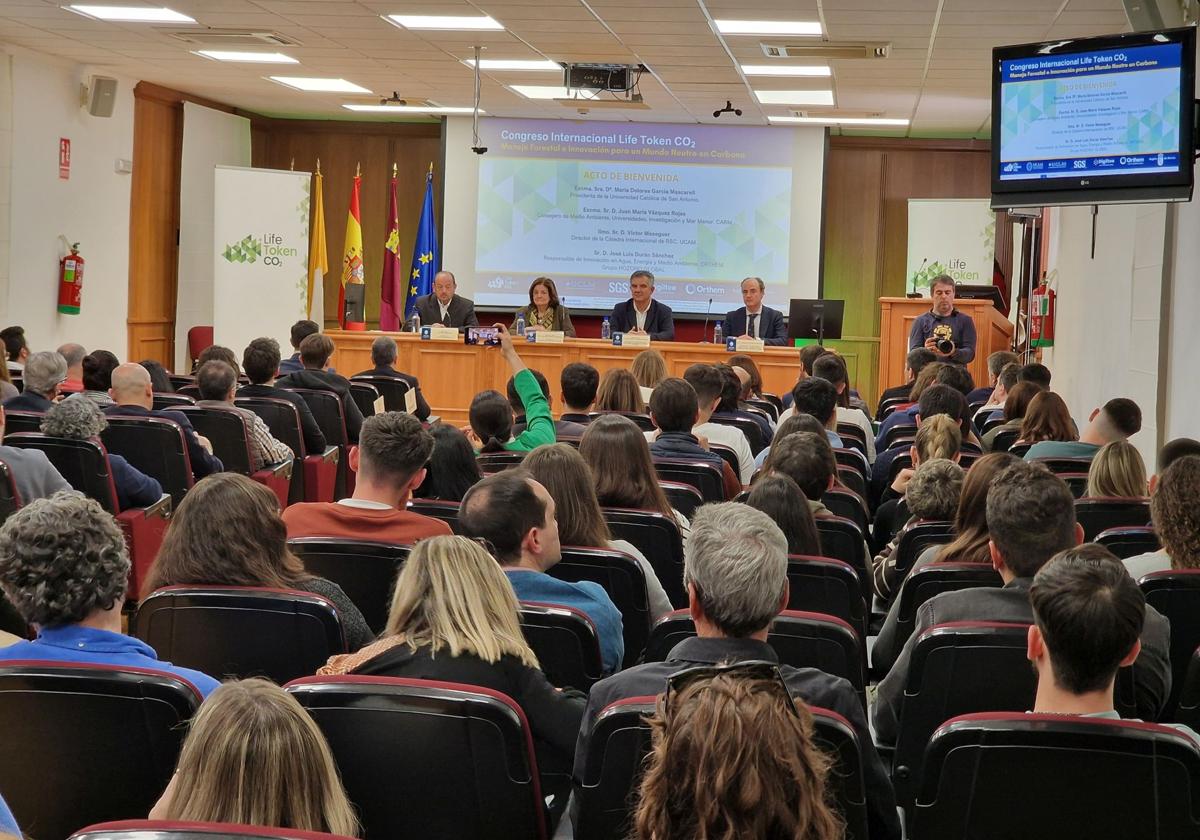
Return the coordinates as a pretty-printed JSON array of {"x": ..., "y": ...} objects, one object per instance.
[
  {"x": 702, "y": 207},
  {"x": 1109, "y": 112}
]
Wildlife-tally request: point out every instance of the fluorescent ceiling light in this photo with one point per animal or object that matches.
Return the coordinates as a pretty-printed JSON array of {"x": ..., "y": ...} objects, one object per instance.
[
  {"x": 838, "y": 120},
  {"x": 795, "y": 97},
  {"x": 444, "y": 21},
  {"x": 786, "y": 70},
  {"x": 251, "y": 57},
  {"x": 768, "y": 27},
  {"x": 409, "y": 109},
  {"x": 131, "y": 14},
  {"x": 319, "y": 85},
  {"x": 552, "y": 92},
  {"x": 515, "y": 64}
]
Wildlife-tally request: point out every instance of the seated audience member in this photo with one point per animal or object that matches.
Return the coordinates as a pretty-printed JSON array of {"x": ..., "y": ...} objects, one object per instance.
[
  {"x": 1176, "y": 518},
  {"x": 44, "y": 372},
  {"x": 133, "y": 396},
  {"x": 516, "y": 515},
  {"x": 970, "y": 545},
  {"x": 97, "y": 377},
  {"x": 832, "y": 368},
  {"x": 390, "y": 462},
  {"x": 727, "y": 407},
  {"x": 782, "y": 499},
  {"x": 217, "y": 383},
  {"x": 7, "y": 389},
  {"x": 254, "y": 756},
  {"x": 648, "y": 368},
  {"x": 808, "y": 354},
  {"x": 938, "y": 437},
  {"x": 454, "y": 618},
  {"x": 1006, "y": 380},
  {"x": 619, "y": 391},
  {"x": 16, "y": 348},
  {"x": 579, "y": 382},
  {"x": 996, "y": 362},
  {"x": 314, "y": 354},
  {"x": 1117, "y": 471},
  {"x": 1036, "y": 373},
  {"x": 568, "y": 479},
  {"x": 219, "y": 353},
  {"x": 73, "y": 354},
  {"x": 1118, "y": 419},
  {"x": 1016, "y": 406},
  {"x": 227, "y": 531},
  {"x": 753, "y": 390},
  {"x": 798, "y": 421},
  {"x": 932, "y": 495},
  {"x": 260, "y": 360},
  {"x": 816, "y": 397},
  {"x": 78, "y": 418},
  {"x": 716, "y": 737},
  {"x": 562, "y": 428},
  {"x": 159, "y": 378},
  {"x": 1171, "y": 452},
  {"x": 674, "y": 412},
  {"x": 452, "y": 469},
  {"x": 707, "y": 382},
  {"x": 32, "y": 473},
  {"x": 65, "y": 566},
  {"x": 545, "y": 311},
  {"x": 936, "y": 399},
  {"x": 383, "y": 356},
  {"x": 1047, "y": 419},
  {"x": 914, "y": 362},
  {"x": 806, "y": 459},
  {"x": 735, "y": 571},
  {"x": 491, "y": 414},
  {"x": 617, "y": 451},
  {"x": 940, "y": 373},
  {"x": 1088, "y": 617},
  {"x": 300, "y": 331},
  {"x": 1031, "y": 517}
]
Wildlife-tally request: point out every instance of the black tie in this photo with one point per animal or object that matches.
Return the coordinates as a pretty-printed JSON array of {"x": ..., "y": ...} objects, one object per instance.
[{"x": 750, "y": 329}]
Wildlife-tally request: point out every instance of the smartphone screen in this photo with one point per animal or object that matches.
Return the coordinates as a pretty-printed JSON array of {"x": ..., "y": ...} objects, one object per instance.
[{"x": 481, "y": 335}]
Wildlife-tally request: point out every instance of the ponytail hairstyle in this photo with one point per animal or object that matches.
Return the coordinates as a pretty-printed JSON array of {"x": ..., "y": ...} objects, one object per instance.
[
  {"x": 938, "y": 437},
  {"x": 491, "y": 419}
]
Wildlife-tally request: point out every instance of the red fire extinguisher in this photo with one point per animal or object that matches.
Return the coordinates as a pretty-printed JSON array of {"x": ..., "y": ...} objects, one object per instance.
[
  {"x": 1041, "y": 322},
  {"x": 70, "y": 281}
]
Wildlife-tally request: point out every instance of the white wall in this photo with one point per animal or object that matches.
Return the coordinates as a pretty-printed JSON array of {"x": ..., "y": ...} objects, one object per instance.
[
  {"x": 40, "y": 100},
  {"x": 1183, "y": 357}
]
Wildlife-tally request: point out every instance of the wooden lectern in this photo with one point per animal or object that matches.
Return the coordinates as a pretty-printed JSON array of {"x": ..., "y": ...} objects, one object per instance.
[{"x": 992, "y": 332}]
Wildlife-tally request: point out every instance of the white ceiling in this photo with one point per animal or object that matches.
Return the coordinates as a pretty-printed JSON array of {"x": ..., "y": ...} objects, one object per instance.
[{"x": 937, "y": 74}]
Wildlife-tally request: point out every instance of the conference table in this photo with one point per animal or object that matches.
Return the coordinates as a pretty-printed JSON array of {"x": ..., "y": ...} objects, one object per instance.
[{"x": 452, "y": 372}]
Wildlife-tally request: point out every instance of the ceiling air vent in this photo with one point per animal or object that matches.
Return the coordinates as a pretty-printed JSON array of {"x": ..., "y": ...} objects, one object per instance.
[
  {"x": 232, "y": 38},
  {"x": 828, "y": 50}
]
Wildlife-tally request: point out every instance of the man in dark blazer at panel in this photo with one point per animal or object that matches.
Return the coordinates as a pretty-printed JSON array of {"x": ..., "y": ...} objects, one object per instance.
[
  {"x": 641, "y": 313},
  {"x": 755, "y": 320},
  {"x": 444, "y": 308}
]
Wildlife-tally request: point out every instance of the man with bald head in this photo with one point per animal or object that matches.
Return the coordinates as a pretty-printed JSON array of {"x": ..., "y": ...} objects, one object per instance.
[
  {"x": 133, "y": 396},
  {"x": 74, "y": 354},
  {"x": 445, "y": 308}
]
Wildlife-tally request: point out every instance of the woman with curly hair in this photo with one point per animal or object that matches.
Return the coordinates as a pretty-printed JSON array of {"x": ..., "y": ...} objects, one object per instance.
[
  {"x": 1176, "y": 518},
  {"x": 64, "y": 565},
  {"x": 733, "y": 756},
  {"x": 78, "y": 418}
]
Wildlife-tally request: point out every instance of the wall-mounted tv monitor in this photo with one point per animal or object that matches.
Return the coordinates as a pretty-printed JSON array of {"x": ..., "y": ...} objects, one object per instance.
[{"x": 1094, "y": 120}]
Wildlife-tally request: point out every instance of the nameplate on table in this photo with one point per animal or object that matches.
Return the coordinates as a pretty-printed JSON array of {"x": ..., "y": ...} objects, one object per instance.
[
  {"x": 440, "y": 334},
  {"x": 545, "y": 336},
  {"x": 631, "y": 340},
  {"x": 745, "y": 345}
]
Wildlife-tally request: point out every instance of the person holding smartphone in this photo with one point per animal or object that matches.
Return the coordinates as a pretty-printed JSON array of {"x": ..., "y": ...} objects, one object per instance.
[{"x": 491, "y": 414}]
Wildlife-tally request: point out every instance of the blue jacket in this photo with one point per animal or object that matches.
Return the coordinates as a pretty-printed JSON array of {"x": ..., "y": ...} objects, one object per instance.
[
  {"x": 771, "y": 328},
  {"x": 962, "y": 333},
  {"x": 585, "y": 596},
  {"x": 683, "y": 445},
  {"x": 134, "y": 487},
  {"x": 660, "y": 322}
]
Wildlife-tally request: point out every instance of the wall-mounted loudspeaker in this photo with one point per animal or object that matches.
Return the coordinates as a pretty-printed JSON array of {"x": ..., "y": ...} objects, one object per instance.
[{"x": 99, "y": 95}]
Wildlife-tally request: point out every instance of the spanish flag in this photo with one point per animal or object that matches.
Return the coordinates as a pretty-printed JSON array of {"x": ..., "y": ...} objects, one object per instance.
[
  {"x": 318, "y": 259},
  {"x": 352, "y": 297}
]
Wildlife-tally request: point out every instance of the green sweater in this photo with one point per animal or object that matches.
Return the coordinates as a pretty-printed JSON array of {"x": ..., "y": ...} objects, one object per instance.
[{"x": 539, "y": 425}]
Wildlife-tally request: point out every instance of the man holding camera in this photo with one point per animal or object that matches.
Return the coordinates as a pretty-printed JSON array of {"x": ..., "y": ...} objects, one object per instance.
[{"x": 944, "y": 330}]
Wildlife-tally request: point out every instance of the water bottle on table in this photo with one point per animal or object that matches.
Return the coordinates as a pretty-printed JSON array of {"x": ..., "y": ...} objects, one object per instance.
[
  {"x": 414, "y": 323},
  {"x": 718, "y": 333},
  {"x": 605, "y": 329},
  {"x": 519, "y": 326}
]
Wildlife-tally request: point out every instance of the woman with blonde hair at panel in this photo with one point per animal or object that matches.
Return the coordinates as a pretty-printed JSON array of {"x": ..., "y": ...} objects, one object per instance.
[{"x": 253, "y": 756}]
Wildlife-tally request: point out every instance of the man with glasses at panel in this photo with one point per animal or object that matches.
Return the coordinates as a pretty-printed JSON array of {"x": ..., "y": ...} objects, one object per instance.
[{"x": 735, "y": 570}]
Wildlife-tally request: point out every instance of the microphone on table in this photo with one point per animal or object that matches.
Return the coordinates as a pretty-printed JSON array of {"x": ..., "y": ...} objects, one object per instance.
[
  {"x": 914, "y": 293},
  {"x": 704, "y": 329}
]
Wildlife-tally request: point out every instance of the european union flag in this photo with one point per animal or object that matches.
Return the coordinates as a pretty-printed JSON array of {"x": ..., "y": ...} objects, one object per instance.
[{"x": 426, "y": 260}]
